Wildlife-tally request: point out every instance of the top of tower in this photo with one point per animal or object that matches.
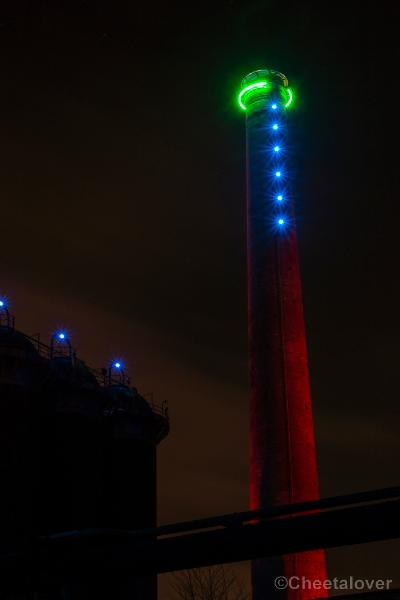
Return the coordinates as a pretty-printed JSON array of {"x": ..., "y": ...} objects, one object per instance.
[
  {"x": 265, "y": 75},
  {"x": 259, "y": 84}
]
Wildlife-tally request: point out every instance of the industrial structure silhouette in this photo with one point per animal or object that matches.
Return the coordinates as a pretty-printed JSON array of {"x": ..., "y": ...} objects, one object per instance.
[{"x": 77, "y": 451}]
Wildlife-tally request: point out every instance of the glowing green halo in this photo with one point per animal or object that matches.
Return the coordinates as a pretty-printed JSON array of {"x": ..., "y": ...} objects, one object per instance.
[
  {"x": 259, "y": 84},
  {"x": 263, "y": 85},
  {"x": 289, "y": 102}
]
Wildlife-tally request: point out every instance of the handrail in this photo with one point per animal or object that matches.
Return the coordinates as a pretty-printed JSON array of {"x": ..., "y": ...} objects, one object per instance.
[{"x": 44, "y": 351}]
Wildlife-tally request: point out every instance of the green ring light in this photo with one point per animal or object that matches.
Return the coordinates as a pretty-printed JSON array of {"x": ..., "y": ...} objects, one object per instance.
[
  {"x": 259, "y": 85},
  {"x": 253, "y": 86},
  {"x": 290, "y": 97}
]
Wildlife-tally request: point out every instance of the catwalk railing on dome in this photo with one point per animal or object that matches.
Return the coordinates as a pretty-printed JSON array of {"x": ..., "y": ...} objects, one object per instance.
[
  {"x": 104, "y": 377},
  {"x": 6, "y": 319}
]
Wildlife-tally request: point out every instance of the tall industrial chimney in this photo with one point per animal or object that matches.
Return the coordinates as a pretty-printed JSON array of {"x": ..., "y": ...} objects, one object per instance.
[{"x": 283, "y": 465}]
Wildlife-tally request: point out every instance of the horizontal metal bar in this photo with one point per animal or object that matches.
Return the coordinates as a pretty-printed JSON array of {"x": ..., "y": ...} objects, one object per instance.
[
  {"x": 238, "y": 519},
  {"x": 340, "y": 527},
  {"x": 82, "y": 558}
]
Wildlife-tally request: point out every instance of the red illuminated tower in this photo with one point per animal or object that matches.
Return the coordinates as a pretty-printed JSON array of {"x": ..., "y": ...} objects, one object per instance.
[{"x": 283, "y": 465}]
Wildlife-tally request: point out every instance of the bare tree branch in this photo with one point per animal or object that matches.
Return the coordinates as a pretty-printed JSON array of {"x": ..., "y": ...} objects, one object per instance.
[{"x": 210, "y": 583}]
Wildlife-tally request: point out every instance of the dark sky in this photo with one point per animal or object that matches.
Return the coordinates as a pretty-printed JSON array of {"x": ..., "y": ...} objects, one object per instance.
[{"x": 122, "y": 218}]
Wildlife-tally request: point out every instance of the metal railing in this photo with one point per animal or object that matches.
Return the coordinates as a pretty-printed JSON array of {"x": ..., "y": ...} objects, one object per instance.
[
  {"x": 6, "y": 319},
  {"x": 102, "y": 376}
]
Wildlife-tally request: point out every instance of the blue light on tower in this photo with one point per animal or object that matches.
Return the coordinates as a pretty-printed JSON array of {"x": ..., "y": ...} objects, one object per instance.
[
  {"x": 2, "y": 304},
  {"x": 61, "y": 335},
  {"x": 117, "y": 365},
  {"x": 278, "y": 173}
]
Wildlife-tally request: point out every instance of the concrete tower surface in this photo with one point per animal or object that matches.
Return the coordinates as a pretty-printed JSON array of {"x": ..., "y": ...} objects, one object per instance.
[{"x": 283, "y": 467}]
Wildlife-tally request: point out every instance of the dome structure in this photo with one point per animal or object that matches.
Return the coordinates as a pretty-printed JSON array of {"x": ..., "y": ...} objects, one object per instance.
[
  {"x": 127, "y": 399},
  {"x": 19, "y": 358},
  {"x": 75, "y": 370},
  {"x": 12, "y": 341}
]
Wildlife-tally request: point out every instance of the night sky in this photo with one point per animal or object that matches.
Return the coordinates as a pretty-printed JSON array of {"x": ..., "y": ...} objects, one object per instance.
[{"x": 123, "y": 219}]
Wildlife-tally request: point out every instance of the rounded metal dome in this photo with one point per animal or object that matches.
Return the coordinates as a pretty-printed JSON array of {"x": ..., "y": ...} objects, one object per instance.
[
  {"x": 67, "y": 367},
  {"x": 12, "y": 340},
  {"x": 125, "y": 398}
]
